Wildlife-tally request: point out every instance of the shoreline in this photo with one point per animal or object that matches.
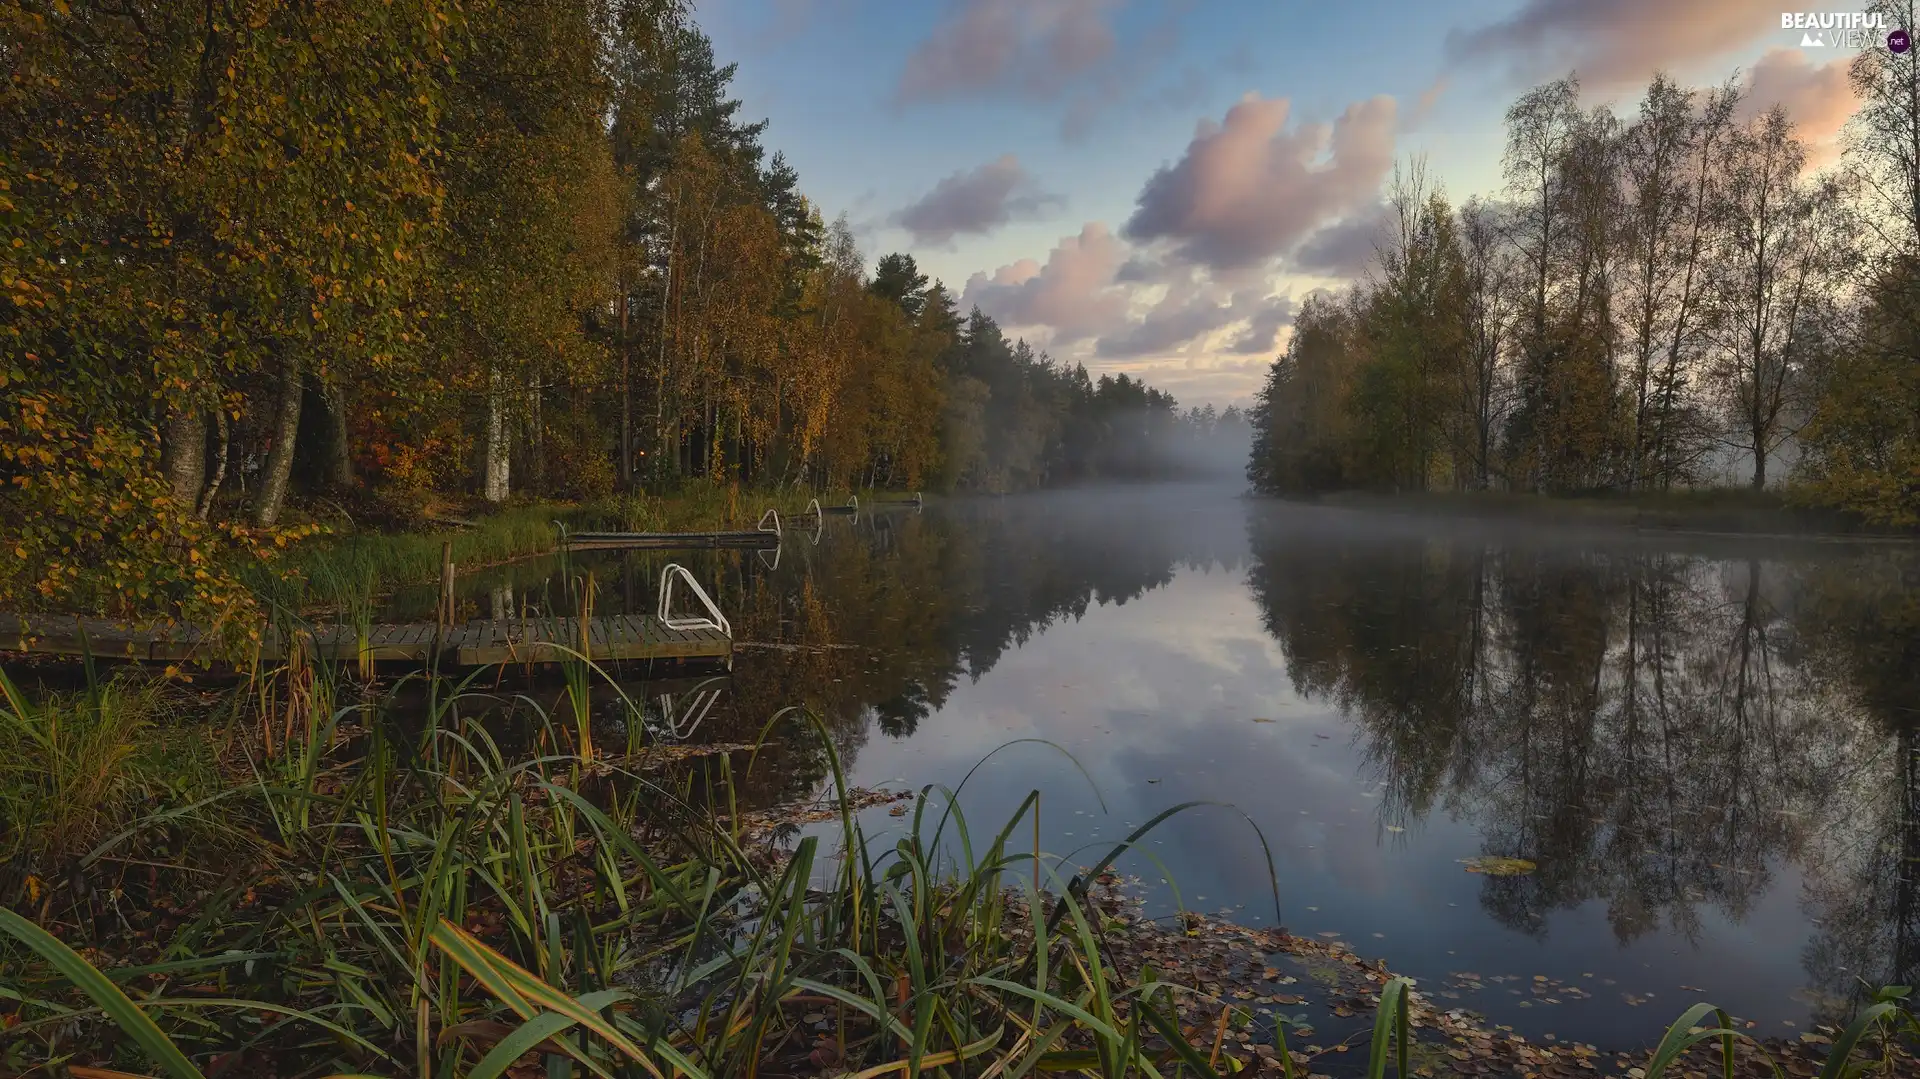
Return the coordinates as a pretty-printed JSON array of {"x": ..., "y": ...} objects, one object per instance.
[
  {"x": 1256, "y": 989},
  {"x": 1266, "y": 970},
  {"x": 1706, "y": 515}
]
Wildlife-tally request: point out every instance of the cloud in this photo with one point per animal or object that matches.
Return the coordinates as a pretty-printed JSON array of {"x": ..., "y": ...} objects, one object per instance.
[
  {"x": 788, "y": 19},
  {"x": 1140, "y": 269},
  {"x": 1248, "y": 189},
  {"x": 1073, "y": 295},
  {"x": 1045, "y": 51},
  {"x": 1429, "y": 98},
  {"x": 1031, "y": 48},
  {"x": 1188, "y": 313},
  {"x": 1262, "y": 334},
  {"x": 1181, "y": 316},
  {"x": 1344, "y": 248},
  {"x": 975, "y": 201},
  {"x": 1817, "y": 96},
  {"x": 1614, "y": 43},
  {"x": 1126, "y": 76},
  {"x": 1092, "y": 289},
  {"x": 1195, "y": 380}
]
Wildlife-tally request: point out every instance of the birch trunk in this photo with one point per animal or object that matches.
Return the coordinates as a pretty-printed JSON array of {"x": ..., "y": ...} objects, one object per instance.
[
  {"x": 186, "y": 454},
  {"x": 286, "y": 426},
  {"x": 339, "y": 436},
  {"x": 495, "y": 481}
]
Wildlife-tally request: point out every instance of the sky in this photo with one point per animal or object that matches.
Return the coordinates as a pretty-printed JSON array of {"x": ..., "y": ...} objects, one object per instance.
[{"x": 1153, "y": 186}]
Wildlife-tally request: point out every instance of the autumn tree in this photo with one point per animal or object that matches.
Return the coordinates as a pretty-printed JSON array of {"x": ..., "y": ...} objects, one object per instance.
[
  {"x": 1670, "y": 163},
  {"x": 1488, "y": 312},
  {"x": 1300, "y": 425},
  {"x": 1769, "y": 278},
  {"x": 1416, "y": 336},
  {"x": 1559, "y": 168},
  {"x": 1862, "y": 441},
  {"x": 200, "y": 207}
]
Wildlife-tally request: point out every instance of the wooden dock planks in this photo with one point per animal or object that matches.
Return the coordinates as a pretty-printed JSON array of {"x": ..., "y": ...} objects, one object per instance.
[{"x": 469, "y": 644}]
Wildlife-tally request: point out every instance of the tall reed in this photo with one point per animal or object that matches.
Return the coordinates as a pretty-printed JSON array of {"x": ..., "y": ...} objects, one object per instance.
[{"x": 437, "y": 902}]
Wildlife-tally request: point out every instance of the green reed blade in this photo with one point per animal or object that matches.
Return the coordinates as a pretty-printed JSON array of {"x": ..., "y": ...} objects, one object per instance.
[{"x": 115, "y": 1003}]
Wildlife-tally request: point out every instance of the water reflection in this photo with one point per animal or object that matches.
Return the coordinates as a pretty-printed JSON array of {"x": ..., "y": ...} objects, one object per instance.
[
  {"x": 1707, "y": 750},
  {"x": 1660, "y": 731}
]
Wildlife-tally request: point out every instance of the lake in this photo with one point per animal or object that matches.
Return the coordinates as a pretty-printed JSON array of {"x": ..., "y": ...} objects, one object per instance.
[{"x": 1706, "y": 747}]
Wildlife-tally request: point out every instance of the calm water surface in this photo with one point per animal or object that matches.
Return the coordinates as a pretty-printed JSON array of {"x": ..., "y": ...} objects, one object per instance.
[{"x": 1707, "y": 747}]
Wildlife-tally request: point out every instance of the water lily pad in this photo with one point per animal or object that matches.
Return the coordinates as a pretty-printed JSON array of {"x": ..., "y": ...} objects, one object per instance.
[{"x": 1499, "y": 867}]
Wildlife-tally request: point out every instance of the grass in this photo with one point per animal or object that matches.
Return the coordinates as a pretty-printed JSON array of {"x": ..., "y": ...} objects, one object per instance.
[
  {"x": 341, "y": 572},
  {"x": 77, "y": 766},
  {"x": 440, "y": 906},
  {"x": 469, "y": 895},
  {"x": 438, "y": 881}
]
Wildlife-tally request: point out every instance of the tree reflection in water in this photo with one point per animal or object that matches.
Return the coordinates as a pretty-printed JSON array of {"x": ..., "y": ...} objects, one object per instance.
[
  {"x": 1657, "y": 729},
  {"x": 1662, "y": 728}
]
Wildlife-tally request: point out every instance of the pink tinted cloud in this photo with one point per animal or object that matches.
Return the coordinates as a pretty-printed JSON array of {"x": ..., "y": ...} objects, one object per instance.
[
  {"x": 1248, "y": 188},
  {"x": 1346, "y": 247},
  {"x": 1188, "y": 313},
  {"x": 1090, "y": 285},
  {"x": 1615, "y": 44},
  {"x": 1032, "y": 48},
  {"x": 975, "y": 201},
  {"x": 1073, "y": 294},
  {"x": 1817, "y": 97}
]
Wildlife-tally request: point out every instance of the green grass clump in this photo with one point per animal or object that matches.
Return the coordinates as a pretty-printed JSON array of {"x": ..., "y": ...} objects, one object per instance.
[
  {"x": 76, "y": 767},
  {"x": 432, "y": 889},
  {"x": 440, "y": 905}
]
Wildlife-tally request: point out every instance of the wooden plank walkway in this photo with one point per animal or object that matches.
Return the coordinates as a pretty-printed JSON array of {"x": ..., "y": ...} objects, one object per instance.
[
  {"x": 661, "y": 541},
  {"x": 466, "y": 644}
]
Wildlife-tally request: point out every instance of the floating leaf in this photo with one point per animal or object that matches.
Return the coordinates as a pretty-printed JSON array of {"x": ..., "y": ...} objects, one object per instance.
[{"x": 1499, "y": 867}]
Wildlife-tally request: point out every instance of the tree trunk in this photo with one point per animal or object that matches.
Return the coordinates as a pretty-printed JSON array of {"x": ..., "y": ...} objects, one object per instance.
[
  {"x": 286, "y": 425},
  {"x": 219, "y": 466},
  {"x": 339, "y": 436},
  {"x": 1759, "y": 462},
  {"x": 186, "y": 454},
  {"x": 495, "y": 480},
  {"x": 537, "y": 442},
  {"x": 626, "y": 392}
]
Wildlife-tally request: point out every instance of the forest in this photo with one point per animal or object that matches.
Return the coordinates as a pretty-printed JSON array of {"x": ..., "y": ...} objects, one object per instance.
[
  {"x": 269, "y": 260},
  {"x": 1656, "y": 301}
]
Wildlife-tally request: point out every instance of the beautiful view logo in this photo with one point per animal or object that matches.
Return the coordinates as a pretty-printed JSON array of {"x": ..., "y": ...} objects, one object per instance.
[{"x": 1839, "y": 29}]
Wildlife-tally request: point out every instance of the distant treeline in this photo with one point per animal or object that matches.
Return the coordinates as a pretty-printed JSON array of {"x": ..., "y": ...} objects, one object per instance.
[
  {"x": 396, "y": 247},
  {"x": 1652, "y": 294}
]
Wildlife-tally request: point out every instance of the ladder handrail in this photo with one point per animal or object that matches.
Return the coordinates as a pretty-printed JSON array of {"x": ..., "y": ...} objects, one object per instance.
[
  {"x": 853, "y": 501},
  {"x": 682, "y": 726},
  {"x": 717, "y": 621},
  {"x": 813, "y": 507},
  {"x": 771, "y": 514}
]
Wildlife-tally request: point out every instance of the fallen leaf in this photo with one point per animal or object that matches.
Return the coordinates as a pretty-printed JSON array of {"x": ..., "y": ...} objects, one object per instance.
[{"x": 1494, "y": 866}]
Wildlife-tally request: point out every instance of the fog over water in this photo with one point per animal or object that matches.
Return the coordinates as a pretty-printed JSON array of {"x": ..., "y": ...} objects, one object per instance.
[{"x": 1706, "y": 747}]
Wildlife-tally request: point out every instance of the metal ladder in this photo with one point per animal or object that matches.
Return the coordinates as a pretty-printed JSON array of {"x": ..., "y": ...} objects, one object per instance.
[{"x": 713, "y": 619}]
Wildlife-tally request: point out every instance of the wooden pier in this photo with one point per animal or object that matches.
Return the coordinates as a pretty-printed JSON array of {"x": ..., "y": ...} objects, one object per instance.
[
  {"x": 418, "y": 644},
  {"x": 670, "y": 541}
]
